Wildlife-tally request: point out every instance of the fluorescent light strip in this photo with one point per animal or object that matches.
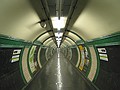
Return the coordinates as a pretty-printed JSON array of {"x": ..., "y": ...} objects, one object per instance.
[
  {"x": 58, "y": 39},
  {"x": 58, "y": 23},
  {"x": 58, "y": 34}
]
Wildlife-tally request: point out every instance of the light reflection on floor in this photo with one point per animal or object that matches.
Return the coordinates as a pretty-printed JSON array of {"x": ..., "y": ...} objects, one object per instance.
[{"x": 59, "y": 76}]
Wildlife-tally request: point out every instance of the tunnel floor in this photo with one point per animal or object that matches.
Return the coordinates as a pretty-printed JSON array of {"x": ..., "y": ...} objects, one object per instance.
[{"x": 59, "y": 74}]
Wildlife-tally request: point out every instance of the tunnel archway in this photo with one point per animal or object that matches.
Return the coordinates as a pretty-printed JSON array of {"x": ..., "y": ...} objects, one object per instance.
[{"x": 90, "y": 39}]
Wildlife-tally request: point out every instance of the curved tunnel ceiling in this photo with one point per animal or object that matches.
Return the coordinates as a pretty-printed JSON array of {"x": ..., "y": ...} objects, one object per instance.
[
  {"x": 19, "y": 20},
  {"x": 73, "y": 36},
  {"x": 63, "y": 46},
  {"x": 69, "y": 40},
  {"x": 43, "y": 37},
  {"x": 53, "y": 45},
  {"x": 99, "y": 18},
  {"x": 66, "y": 43},
  {"x": 25, "y": 20},
  {"x": 95, "y": 19},
  {"x": 48, "y": 42}
]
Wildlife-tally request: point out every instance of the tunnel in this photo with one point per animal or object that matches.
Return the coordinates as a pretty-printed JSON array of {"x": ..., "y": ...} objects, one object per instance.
[{"x": 59, "y": 45}]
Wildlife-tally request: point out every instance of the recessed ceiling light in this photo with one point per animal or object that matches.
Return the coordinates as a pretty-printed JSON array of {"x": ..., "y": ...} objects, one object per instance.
[{"x": 58, "y": 24}]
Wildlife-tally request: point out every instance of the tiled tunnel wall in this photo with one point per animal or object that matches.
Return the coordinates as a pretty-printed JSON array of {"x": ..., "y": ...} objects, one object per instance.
[
  {"x": 18, "y": 62},
  {"x": 109, "y": 71},
  {"x": 10, "y": 76}
]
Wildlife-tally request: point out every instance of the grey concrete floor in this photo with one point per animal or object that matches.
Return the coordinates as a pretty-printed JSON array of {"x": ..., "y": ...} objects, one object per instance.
[{"x": 59, "y": 74}]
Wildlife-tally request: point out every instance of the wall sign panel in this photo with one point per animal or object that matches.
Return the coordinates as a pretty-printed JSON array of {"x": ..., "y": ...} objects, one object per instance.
[
  {"x": 103, "y": 54},
  {"x": 16, "y": 55}
]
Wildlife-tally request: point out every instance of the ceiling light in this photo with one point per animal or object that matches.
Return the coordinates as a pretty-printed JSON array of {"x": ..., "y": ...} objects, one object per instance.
[
  {"x": 58, "y": 39},
  {"x": 58, "y": 24},
  {"x": 58, "y": 43},
  {"x": 58, "y": 34}
]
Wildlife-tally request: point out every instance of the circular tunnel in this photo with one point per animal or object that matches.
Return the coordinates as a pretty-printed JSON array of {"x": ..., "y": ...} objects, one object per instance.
[{"x": 87, "y": 33}]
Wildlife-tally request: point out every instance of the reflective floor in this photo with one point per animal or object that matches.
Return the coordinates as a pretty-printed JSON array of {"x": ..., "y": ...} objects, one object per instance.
[{"x": 59, "y": 74}]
